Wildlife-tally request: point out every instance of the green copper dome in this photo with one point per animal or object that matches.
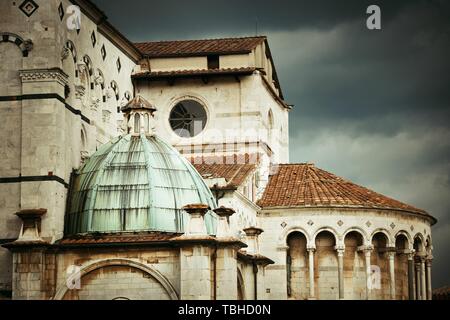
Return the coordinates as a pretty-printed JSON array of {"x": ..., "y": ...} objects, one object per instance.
[{"x": 135, "y": 183}]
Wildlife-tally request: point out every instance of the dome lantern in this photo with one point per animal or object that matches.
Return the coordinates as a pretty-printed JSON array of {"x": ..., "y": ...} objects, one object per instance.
[{"x": 139, "y": 117}]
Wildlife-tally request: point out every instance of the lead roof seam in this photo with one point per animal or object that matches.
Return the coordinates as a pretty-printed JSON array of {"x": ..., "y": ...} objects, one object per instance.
[{"x": 110, "y": 155}]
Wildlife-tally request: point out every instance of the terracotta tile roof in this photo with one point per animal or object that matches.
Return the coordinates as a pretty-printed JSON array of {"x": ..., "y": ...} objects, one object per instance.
[
  {"x": 117, "y": 238},
  {"x": 234, "y": 174},
  {"x": 182, "y": 48},
  {"x": 304, "y": 185},
  {"x": 235, "y": 158},
  {"x": 190, "y": 73},
  {"x": 233, "y": 168},
  {"x": 442, "y": 293}
]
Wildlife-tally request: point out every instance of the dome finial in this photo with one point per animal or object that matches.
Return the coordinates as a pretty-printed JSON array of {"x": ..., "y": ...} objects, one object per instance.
[{"x": 139, "y": 117}]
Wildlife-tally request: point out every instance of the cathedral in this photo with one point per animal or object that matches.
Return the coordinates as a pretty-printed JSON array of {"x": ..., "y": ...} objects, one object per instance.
[{"x": 160, "y": 170}]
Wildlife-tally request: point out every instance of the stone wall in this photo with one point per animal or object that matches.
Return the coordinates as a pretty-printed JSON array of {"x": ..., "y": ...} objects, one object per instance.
[
  {"x": 34, "y": 274},
  {"x": 48, "y": 129},
  {"x": 119, "y": 264},
  {"x": 237, "y": 111},
  {"x": 118, "y": 282},
  {"x": 350, "y": 229}
]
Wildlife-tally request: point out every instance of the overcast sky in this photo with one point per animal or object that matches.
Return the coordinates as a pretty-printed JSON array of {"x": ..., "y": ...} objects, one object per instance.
[{"x": 370, "y": 106}]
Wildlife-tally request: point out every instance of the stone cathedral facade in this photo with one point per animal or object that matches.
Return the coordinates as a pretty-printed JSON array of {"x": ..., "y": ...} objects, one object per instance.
[{"x": 160, "y": 170}]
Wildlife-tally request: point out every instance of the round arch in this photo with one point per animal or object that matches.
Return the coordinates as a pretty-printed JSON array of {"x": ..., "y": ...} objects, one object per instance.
[
  {"x": 282, "y": 240},
  {"x": 429, "y": 242},
  {"x": 270, "y": 119},
  {"x": 422, "y": 245},
  {"x": 87, "y": 60},
  {"x": 165, "y": 283},
  {"x": 390, "y": 242},
  {"x": 270, "y": 125},
  {"x": 71, "y": 49},
  {"x": 99, "y": 79},
  {"x": 419, "y": 236},
  {"x": 331, "y": 230},
  {"x": 358, "y": 230},
  {"x": 407, "y": 235},
  {"x": 24, "y": 45},
  {"x": 115, "y": 88}
]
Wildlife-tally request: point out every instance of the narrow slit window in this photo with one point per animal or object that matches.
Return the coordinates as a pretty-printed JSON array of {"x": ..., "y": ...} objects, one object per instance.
[
  {"x": 146, "y": 124},
  {"x": 137, "y": 123}
]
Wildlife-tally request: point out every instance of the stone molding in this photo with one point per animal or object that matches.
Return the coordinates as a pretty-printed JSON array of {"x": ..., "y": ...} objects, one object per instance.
[{"x": 44, "y": 75}]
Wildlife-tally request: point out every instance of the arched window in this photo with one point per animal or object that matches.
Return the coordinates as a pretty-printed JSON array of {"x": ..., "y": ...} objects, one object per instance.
[
  {"x": 270, "y": 125},
  {"x": 115, "y": 89},
  {"x": 146, "y": 122},
  {"x": 270, "y": 119},
  {"x": 73, "y": 52},
  {"x": 137, "y": 123},
  {"x": 88, "y": 63}
]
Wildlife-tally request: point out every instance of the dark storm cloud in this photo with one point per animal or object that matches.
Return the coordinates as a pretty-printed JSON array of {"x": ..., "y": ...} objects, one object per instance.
[
  {"x": 175, "y": 19},
  {"x": 371, "y": 106}
]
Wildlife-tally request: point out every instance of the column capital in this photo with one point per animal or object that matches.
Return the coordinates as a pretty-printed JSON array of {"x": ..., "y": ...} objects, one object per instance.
[
  {"x": 365, "y": 248},
  {"x": 391, "y": 253},
  {"x": 340, "y": 250},
  {"x": 224, "y": 211},
  {"x": 411, "y": 254},
  {"x": 429, "y": 260},
  {"x": 310, "y": 248},
  {"x": 253, "y": 231}
]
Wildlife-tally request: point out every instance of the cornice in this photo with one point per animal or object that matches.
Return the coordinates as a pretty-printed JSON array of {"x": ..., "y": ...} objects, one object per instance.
[{"x": 44, "y": 75}]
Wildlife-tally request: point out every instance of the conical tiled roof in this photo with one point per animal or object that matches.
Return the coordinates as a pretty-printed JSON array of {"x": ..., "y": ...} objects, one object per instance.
[
  {"x": 304, "y": 185},
  {"x": 138, "y": 103}
]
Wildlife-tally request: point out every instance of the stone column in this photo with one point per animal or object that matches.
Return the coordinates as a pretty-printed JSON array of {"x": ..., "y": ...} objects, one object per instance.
[
  {"x": 423, "y": 282},
  {"x": 418, "y": 281},
  {"x": 196, "y": 250},
  {"x": 391, "y": 257},
  {"x": 253, "y": 249},
  {"x": 311, "y": 272},
  {"x": 429, "y": 287},
  {"x": 411, "y": 290},
  {"x": 226, "y": 257},
  {"x": 367, "y": 251},
  {"x": 340, "y": 254}
]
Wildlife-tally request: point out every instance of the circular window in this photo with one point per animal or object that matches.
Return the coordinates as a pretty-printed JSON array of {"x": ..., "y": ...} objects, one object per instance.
[{"x": 188, "y": 118}]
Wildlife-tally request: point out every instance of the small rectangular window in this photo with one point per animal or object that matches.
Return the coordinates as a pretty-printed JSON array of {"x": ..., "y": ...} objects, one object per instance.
[{"x": 213, "y": 62}]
